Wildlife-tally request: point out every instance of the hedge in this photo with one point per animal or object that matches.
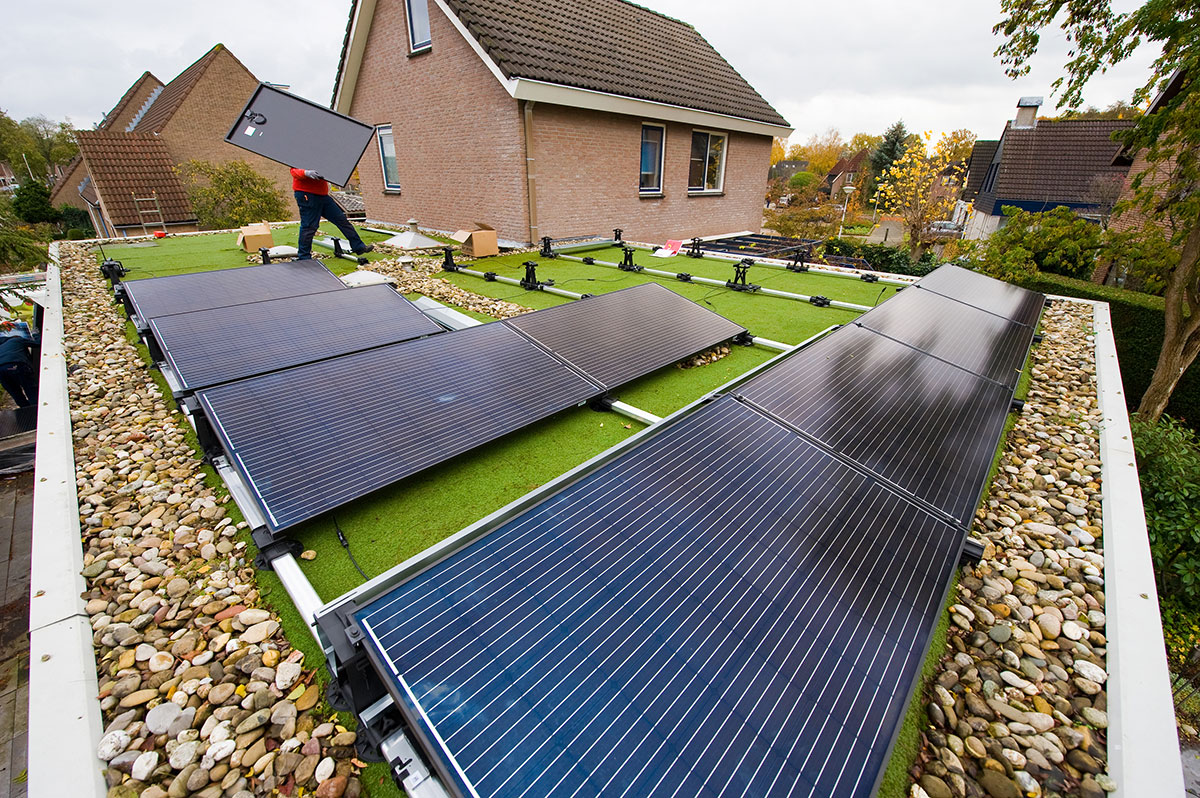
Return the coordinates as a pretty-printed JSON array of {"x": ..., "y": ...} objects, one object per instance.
[{"x": 1137, "y": 321}]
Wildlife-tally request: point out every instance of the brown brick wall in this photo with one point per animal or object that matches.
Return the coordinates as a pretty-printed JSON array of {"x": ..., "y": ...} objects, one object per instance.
[
  {"x": 459, "y": 144},
  {"x": 197, "y": 129},
  {"x": 588, "y": 164},
  {"x": 66, "y": 188}
]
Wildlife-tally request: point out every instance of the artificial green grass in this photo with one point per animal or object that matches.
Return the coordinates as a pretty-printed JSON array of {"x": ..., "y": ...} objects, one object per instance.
[{"x": 183, "y": 254}]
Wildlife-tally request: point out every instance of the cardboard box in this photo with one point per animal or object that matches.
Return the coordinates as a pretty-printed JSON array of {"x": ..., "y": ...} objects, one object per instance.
[
  {"x": 252, "y": 237},
  {"x": 478, "y": 243}
]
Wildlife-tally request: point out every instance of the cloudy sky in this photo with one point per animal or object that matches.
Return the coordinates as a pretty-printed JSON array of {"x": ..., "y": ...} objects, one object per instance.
[{"x": 857, "y": 65}]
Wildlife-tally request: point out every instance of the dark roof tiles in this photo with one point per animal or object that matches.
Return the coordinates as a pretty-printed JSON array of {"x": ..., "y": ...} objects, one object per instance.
[
  {"x": 977, "y": 166},
  {"x": 124, "y": 165},
  {"x": 611, "y": 46},
  {"x": 167, "y": 103}
]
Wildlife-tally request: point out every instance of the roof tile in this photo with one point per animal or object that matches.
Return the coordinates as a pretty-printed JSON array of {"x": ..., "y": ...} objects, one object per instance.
[{"x": 125, "y": 165}]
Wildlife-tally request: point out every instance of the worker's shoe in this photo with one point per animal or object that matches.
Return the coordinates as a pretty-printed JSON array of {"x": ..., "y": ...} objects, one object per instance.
[{"x": 365, "y": 250}]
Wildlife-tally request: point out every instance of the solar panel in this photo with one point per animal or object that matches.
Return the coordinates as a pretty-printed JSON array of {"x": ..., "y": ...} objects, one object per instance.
[
  {"x": 640, "y": 634},
  {"x": 966, "y": 336},
  {"x": 925, "y": 425},
  {"x": 372, "y": 418},
  {"x": 180, "y": 293},
  {"x": 606, "y": 336},
  {"x": 207, "y": 347},
  {"x": 986, "y": 293}
]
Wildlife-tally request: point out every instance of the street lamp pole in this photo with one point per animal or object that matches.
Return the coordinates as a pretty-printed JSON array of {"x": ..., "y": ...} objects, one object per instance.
[{"x": 848, "y": 190}]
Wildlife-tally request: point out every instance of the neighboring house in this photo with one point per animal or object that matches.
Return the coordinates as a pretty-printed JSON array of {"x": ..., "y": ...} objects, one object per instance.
[
  {"x": 153, "y": 128},
  {"x": 977, "y": 168},
  {"x": 844, "y": 173},
  {"x": 785, "y": 169},
  {"x": 552, "y": 118},
  {"x": 1039, "y": 165},
  {"x": 7, "y": 176}
]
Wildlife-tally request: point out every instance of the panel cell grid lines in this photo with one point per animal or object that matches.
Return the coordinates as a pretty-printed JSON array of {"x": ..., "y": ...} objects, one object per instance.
[
  {"x": 616, "y": 337},
  {"x": 180, "y": 293},
  {"x": 638, "y": 634},
  {"x": 966, "y": 336},
  {"x": 207, "y": 347},
  {"x": 926, "y": 426},
  {"x": 311, "y": 438},
  {"x": 986, "y": 293}
]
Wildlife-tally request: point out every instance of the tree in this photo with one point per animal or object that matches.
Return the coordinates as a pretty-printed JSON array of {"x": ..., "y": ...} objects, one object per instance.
[
  {"x": 778, "y": 152},
  {"x": 802, "y": 180},
  {"x": 231, "y": 194},
  {"x": 1055, "y": 241},
  {"x": 1166, "y": 191},
  {"x": 38, "y": 142},
  {"x": 890, "y": 148},
  {"x": 72, "y": 218},
  {"x": 804, "y": 221},
  {"x": 1117, "y": 110},
  {"x": 960, "y": 143},
  {"x": 31, "y": 203},
  {"x": 864, "y": 141},
  {"x": 19, "y": 249},
  {"x": 821, "y": 152},
  {"x": 906, "y": 189}
]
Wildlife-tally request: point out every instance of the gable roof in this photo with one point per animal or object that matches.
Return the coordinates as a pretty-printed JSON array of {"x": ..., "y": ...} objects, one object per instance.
[
  {"x": 124, "y": 165},
  {"x": 1054, "y": 163},
  {"x": 175, "y": 93},
  {"x": 140, "y": 91},
  {"x": 851, "y": 164},
  {"x": 977, "y": 166},
  {"x": 609, "y": 47}
]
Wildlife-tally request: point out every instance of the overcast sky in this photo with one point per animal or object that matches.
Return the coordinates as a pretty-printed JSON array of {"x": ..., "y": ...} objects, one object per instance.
[{"x": 857, "y": 65}]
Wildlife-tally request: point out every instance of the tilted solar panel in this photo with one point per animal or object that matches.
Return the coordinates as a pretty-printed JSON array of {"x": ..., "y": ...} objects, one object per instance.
[
  {"x": 925, "y": 425},
  {"x": 616, "y": 337},
  {"x": 639, "y": 633},
  {"x": 180, "y": 293},
  {"x": 965, "y": 336},
  {"x": 207, "y": 347},
  {"x": 311, "y": 438},
  {"x": 981, "y": 291}
]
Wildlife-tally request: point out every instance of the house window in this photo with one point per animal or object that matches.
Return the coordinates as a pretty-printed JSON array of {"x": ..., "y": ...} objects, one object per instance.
[
  {"x": 707, "y": 170},
  {"x": 653, "y": 138},
  {"x": 387, "y": 157},
  {"x": 418, "y": 24}
]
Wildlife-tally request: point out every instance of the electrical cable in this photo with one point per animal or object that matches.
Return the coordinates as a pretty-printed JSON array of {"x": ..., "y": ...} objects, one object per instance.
[{"x": 341, "y": 536}]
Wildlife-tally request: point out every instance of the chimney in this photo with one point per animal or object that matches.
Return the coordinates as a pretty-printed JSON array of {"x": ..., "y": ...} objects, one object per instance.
[{"x": 1027, "y": 109}]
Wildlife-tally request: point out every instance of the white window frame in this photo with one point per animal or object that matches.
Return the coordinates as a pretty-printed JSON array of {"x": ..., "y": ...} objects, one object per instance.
[
  {"x": 414, "y": 46},
  {"x": 720, "y": 188},
  {"x": 379, "y": 131},
  {"x": 662, "y": 159}
]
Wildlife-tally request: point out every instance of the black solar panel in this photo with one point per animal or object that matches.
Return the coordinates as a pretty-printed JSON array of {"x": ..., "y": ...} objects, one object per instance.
[
  {"x": 616, "y": 337},
  {"x": 207, "y": 347},
  {"x": 311, "y": 438},
  {"x": 640, "y": 633},
  {"x": 966, "y": 336},
  {"x": 981, "y": 291},
  {"x": 925, "y": 425},
  {"x": 180, "y": 293}
]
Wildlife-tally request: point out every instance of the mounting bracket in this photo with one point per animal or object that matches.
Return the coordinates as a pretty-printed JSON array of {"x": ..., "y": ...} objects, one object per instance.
[
  {"x": 617, "y": 235},
  {"x": 265, "y": 254},
  {"x": 448, "y": 263},
  {"x": 683, "y": 277},
  {"x": 819, "y": 301},
  {"x": 740, "y": 270},
  {"x": 866, "y": 277},
  {"x": 744, "y": 338},
  {"x": 546, "y": 251},
  {"x": 694, "y": 249},
  {"x": 627, "y": 264}
]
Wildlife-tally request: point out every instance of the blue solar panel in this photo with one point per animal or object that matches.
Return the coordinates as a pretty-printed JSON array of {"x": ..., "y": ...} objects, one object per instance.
[
  {"x": 640, "y": 634},
  {"x": 207, "y": 347}
]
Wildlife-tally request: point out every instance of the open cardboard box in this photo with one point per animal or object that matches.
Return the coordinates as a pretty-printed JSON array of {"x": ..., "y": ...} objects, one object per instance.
[
  {"x": 478, "y": 243},
  {"x": 253, "y": 237}
]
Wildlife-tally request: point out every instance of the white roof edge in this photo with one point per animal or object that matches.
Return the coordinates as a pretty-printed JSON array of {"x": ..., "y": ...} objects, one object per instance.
[
  {"x": 360, "y": 27},
  {"x": 558, "y": 94}
]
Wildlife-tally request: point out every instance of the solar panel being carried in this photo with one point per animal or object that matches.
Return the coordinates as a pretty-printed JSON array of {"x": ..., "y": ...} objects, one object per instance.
[
  {"x": 641, "y": 634},
  {"x": 398, "y": 409},
  {"x": 180, "y": 293},
  {"x": 207, "y": 347}
]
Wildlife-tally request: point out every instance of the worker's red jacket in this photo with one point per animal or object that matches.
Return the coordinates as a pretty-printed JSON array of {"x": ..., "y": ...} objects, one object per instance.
[{"x": 302, "y": 183}]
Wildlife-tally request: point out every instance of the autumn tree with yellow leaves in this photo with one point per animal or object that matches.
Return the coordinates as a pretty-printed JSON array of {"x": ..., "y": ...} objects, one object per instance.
[{"x": 907, "y": 188}]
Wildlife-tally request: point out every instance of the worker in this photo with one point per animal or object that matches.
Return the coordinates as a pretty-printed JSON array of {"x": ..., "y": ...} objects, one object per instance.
[
  {"x": 312, "y": 197},
  {"x": 16, "y": 364}
]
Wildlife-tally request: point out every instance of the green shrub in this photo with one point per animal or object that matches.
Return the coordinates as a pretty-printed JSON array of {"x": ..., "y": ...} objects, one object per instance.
[
  {"x": 78, "y": 234},
  {"x": 72, "y": 218},
  {"x": 1137, "y": 321},
  {"x": 881, "y": 257},
  {"x": 1168, "y": 459},
  {"x": 231, "y": 194}
]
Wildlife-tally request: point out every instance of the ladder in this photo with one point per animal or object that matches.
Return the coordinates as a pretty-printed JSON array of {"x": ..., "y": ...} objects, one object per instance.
[{"x": 148, "y": 206}]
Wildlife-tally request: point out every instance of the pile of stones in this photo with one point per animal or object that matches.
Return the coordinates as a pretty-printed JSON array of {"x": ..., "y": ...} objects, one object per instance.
[
  {"x": 200, "y": 692},
  {"x": 1018, "y": 706}
]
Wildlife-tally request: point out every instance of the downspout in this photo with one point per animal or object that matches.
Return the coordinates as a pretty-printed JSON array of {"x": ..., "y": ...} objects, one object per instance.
[{"x": 530, "y": 175}]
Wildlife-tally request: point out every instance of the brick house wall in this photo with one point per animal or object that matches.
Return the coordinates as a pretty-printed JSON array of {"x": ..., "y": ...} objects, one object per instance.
[
  {"x": 197, "y": 129},
  {"x": 459, "y": 144},
  {"x": 587, "y": 165},
  {"x": 66, "y": 189},
  {"x": 139, "y": 93}
]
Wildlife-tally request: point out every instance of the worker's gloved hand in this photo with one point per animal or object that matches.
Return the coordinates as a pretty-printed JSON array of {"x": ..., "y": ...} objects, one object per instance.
[{"x": 312, "y": 175}]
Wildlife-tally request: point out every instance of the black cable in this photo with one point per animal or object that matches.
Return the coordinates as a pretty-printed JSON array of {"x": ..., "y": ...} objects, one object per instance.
[
  {"x": 341, "y": 536},
  {"x": 881, "y": 290}
]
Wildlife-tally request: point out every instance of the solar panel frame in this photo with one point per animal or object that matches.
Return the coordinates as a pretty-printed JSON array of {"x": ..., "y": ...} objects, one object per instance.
[
  {"x": 604, "y": 336},
  {"x": 208, "y": 347},
  {"x": 963, "y": 335},
  {"x": 181, "y": 293},
  {"x": 838, "y": 550},
  {"x": 903, "y": 415},
  {"x": 986, "y": 293}
]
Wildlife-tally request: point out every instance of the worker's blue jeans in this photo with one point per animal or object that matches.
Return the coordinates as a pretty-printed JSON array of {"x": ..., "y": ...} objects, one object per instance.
[
  {"x": 312, "y": 208},
  {"x": 20, "y": 381}
]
